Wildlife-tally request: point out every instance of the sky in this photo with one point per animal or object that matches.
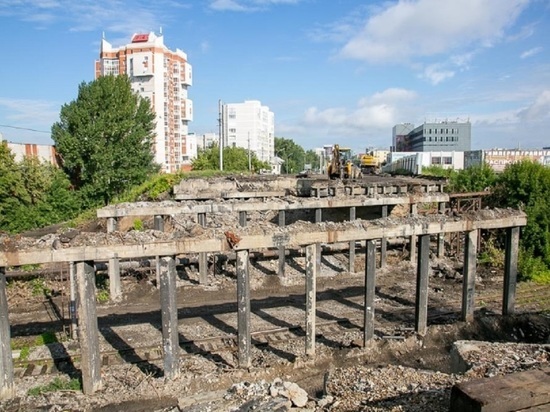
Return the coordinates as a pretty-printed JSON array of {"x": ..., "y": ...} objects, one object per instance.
[{"x": 332, "y": 71}]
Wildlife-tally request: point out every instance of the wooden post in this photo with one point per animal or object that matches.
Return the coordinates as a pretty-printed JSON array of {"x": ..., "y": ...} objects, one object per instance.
[
  {"x": 510, "y": 270},
  {"x": 169, "y": 311},
  {"x": 88, "y": 334},
  {"x": 370, "y": 282},
  {"x": 469, "y": 276},
  {"x": 114, "y": 278},
  {"x": 7, "y": 388},
  {"x": 243, "y": 303},
  {"x": 423, "y": 265},
  {"x": 384, "y": 242},
  {"x": 311, "y": 297}
]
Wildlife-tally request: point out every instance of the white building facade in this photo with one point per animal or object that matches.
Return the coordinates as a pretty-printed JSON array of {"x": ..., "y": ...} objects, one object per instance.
[
  {"x": 251, "y": 126},
  {"x": 163, "y": 76},
  {"x": 414, "y": 162}
]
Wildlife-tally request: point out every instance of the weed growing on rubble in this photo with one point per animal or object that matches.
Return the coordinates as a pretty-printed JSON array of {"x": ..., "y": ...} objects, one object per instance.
[
  {"x": 38, "y": 287},
  {"x": 58, "y": 384},
  {"x": 102, "y": 296},
  {"x": 138, "y": 225},
  {"x": 491, "y": 255},
  {"x": 532, "y": 268}
]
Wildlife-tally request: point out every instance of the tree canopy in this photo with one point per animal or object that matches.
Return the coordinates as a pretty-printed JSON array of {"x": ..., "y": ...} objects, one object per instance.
[
  {"x": 105, "y": 138},
  {"x": 235, "y": 159}
]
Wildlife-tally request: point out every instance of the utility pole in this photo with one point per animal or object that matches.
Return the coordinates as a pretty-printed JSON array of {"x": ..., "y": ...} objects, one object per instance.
[{"x": 220, "y": 123}]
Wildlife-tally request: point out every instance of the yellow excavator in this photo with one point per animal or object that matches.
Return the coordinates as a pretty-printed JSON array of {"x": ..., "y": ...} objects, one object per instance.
[
  {"x": 369, "y": 163},
  {"x": 341, "y": 165}
]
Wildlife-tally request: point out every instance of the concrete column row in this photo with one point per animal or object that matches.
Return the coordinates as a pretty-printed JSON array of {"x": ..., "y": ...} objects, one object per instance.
[{"x": 83, "y": 274}]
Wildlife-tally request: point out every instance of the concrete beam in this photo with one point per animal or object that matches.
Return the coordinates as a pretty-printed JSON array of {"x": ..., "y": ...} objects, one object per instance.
[
  {"x": 282, "y": 250},
  {"x": 296, "y": 204},
  {"x": 370, "y": 283},
  {"x": 201, "y": 217},
  {"x": 243, "y": 307},
  {"x": 441, "y": 236},
  {"x": 510, "y": 270},
  {"x": 169, "y": 313},
  {"x": 112, "y": 224},
  {"x": 303, "y": 235},
  {"x": 422, "y": 268},
  {"x": 88, "y": 334},
  {"x": 311, "y": 297},
  {"x": 469, "y": 276},
  {"x": 242, "y": 219},
  {"x": 7, "y": 388},
  {"x": 318, "y": 215}
]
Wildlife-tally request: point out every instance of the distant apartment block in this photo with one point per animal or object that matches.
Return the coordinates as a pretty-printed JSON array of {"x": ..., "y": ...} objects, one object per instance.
[
  {"x": 162, "y": 76},
  {"x": 436, "y": 136},
  {"x": 498, "y": 159},
  {"x": 249, "y": 125},
  {"x": 206, "y": 140}
]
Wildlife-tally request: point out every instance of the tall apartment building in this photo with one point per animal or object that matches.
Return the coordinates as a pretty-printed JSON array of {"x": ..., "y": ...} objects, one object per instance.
[
  {"x": 435, "y": 136},
  {"x": 249, "y": 125},
  {"x": 163, "y": 76}
]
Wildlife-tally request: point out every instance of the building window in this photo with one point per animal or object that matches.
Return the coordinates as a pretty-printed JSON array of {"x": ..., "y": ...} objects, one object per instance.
[
  {"x": 436, "y": 160},
  {"x": 447, "y": 160}
]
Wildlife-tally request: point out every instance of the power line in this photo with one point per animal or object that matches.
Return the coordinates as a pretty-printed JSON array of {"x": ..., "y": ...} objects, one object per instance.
[{"x": 23, "y": 128}]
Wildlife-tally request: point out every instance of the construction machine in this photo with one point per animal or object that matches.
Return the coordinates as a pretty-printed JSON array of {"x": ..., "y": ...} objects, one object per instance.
[
  {"x": 341, "y": 165},
  {"x": 369, "y": 164}
]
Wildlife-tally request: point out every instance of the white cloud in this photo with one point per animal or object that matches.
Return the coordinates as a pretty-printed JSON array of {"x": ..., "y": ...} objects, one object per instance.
[
  {"x": 221, "y": 5},
  {"x": 407, "y": 29},
  {"x": 247, "y": 5},
  {"x": 530, "y": 52},
  {"x": 377, "y": 112},
  {"x": 24, "y": 112},
  {"x": 435, "y": 74},
  {"x": 539, "y": 109}
]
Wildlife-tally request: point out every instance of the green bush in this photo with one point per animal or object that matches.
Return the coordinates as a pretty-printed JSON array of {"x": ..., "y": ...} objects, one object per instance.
[
  {"x": 138, "y": 225},
  {"x": 531, "y": 268}
]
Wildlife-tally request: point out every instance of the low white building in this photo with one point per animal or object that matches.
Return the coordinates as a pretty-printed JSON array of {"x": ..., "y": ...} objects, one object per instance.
[{"x": 415, "y": 161}]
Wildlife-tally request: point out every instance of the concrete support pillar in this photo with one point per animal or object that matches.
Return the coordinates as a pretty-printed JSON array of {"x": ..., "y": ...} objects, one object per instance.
[
  {"x": 158, "y": 223},
  {"x": 203, "y": 268},
  {"x": 282, "y": 223},
  {"x": 88, "y": 334},
  {"x": 510, "y": 270},
  {"x": 384, "y": 242},
  {"x": 370, "y": 281},
  {"x": 242, "y": 218},
  {"x": 422, "y": 268},
  {"x": 169, "y": 312},
  {"x": 112, "y": 224},
  {"x": 311, "y": 297},
  {"x": 201, "y": 217},
  {"x": 114, "y": 278},
  {"x": 351, "y": 267},
  {"x": 469, "y": 276},
  {"x": 72, "y": 300},
  {"x": 441, "y": 236},
  {"x": 243, "y": 303},
  {"x": 7, "y": 388},
  {"x": 318, "y": 215}
]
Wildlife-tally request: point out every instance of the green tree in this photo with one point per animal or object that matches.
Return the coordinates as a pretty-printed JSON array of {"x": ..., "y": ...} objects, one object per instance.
[
  {"x": 292, "y": 154},
  {"x": 105, "y": 138},
  {"x": 472, "y": 179},
  {"x": 235, "y": 159},
  {"x": 12, "y": 187},
  {"x": 526, "y": 185}
]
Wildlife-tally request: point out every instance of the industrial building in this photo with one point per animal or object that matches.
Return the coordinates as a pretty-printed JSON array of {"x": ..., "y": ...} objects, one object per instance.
[
  {"x": 162, "y": 76},
  {"x": 436, "y": 136},
  {"x": 498, "y": 159},
  {"x": 414, "y": 162}
]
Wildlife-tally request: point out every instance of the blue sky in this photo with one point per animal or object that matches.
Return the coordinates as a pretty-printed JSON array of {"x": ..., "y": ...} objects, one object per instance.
[{"x": 332, "y": 71}]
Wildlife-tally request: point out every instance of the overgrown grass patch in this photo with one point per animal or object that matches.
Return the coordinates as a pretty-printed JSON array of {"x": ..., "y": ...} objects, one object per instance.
[{"x": 58, "y": 384}]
